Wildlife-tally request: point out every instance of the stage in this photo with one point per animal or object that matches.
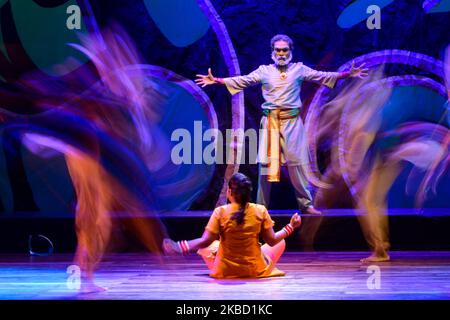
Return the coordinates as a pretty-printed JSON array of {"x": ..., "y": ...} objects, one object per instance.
[
  {"x": 122, "y": 126},
  {"x": 335, "y": 230},
  {"x": 419, "y": 275}
]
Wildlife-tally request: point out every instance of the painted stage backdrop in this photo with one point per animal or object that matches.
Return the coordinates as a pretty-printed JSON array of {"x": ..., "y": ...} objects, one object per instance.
[{"x": 67, "y": 66}]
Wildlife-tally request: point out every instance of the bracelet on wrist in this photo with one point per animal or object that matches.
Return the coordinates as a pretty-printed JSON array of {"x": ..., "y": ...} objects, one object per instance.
[
  {"x": 288, "y": 229},
  {"x": 184, "y": 247}
]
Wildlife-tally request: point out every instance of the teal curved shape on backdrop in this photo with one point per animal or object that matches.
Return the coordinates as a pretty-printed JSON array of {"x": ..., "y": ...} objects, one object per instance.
[
  {"x": 357, "y": 12},
  {"x": 443, "y": 6},
  {"x": 44, "y": 35},
  {"x": 413, "y": 103},
  {"x": 182, "y": 22},
  {"x": 181, "y": 109},
  {"x": 409, "y": 103}
]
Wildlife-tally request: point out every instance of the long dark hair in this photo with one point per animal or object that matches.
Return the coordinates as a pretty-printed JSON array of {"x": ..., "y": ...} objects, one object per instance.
[{"x": 241, "y": 190}]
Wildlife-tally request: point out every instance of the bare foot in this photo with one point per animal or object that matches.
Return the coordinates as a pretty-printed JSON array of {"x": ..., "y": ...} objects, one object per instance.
[
  {"x": 312, "y": 210},
  {"x": 88, "y": 286},
  {"x": 376, "y": 258}
]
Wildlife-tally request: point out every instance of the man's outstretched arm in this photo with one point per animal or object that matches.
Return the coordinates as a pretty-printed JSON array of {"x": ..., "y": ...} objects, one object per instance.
[
  {"x": 329, "y": 78},
  {"x": 233, "y": 84}
]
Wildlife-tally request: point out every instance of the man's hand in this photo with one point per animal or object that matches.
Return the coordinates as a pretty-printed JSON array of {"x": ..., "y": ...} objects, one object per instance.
[
  {"x": 296, "y": 221},
  {"x": 358, "y": 72},
  {"x": 205, "y": 80}
]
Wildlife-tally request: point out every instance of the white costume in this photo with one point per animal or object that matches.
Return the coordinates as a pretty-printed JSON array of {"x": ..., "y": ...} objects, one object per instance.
[{"x": 281, "y": 92}]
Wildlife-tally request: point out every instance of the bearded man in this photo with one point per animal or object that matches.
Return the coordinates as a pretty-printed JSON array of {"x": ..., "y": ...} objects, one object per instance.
[{"x": 283, "y": 141}]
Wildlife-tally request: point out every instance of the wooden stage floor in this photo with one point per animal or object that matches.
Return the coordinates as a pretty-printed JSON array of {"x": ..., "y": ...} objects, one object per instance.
[{"x": 309, "y": 275}]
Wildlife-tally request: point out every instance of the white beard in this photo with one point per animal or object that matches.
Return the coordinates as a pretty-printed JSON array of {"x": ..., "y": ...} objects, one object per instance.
[{"x": 279, "y": 61}]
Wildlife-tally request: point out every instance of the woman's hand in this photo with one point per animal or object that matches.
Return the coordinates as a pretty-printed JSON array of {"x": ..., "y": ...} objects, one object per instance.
[
  {"x": 296, "y": 220},
  {"x": 205, "y": 80},
  {"x": 170, "y": 247}
]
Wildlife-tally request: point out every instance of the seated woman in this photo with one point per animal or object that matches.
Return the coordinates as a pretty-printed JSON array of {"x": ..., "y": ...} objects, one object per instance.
[{"x": 238, "y": 225}]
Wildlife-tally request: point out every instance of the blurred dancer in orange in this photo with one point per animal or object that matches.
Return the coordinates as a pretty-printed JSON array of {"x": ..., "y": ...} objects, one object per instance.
[{"x": 111, "y": 143}]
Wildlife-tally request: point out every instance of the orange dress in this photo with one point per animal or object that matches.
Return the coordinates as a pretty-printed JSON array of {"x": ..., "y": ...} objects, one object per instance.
[{"x": 238, "y": 253}]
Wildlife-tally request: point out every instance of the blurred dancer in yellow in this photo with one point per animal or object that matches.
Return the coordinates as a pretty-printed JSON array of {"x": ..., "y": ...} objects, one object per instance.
[{"x": 369, "y": 159}]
